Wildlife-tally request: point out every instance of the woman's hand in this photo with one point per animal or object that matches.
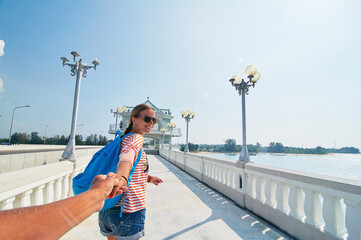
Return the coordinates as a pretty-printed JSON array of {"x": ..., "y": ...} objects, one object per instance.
[
  {"x": 154, "y": 179},
  {"x": 119, "y": 188}
]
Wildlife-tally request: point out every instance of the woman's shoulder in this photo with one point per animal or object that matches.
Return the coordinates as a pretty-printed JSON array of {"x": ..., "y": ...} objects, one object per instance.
[{"x": 135, "y": 138}]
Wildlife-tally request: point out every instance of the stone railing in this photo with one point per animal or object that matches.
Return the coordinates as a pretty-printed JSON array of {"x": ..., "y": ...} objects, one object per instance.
[
  {"x": 39, "y": 185},
  {"x": 307, "y": 206}
]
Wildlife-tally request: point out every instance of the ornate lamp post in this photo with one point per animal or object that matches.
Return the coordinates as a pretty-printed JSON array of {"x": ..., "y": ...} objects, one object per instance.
[
  {"x": 79, "y": 69},
  {"x": 171, "y": 126},
  {"x": 163, "y": 130},
  {"x": 188, "y": 115},
  {"x": 117, "y": 112},
  {"x": 242, "y": 87},
  {"x": 12, "y": 120}
]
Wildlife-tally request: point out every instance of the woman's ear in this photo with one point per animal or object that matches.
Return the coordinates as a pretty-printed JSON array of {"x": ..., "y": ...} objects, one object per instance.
[{"x": 133, "y": 119}]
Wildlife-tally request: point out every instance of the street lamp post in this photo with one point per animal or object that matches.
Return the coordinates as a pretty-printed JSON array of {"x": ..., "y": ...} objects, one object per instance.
[
  {"x": 163, "y": 130},
  {"x": 12, "y": 120},
  {"x": 171, "y": 126},
  {"x": 46, "y": 126},
  {"x": 79, "y": 69},
  {"x": 242, "y": 87},
  {"x": 188, "y": 115},
  {"x": 117, "y": 112}
]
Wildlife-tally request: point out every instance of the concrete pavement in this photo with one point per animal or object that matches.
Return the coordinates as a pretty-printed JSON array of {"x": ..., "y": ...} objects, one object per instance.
[{"x": 184, "y": 208}]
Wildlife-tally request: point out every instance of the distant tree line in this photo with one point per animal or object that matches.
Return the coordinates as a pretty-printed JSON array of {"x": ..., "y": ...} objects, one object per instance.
[
  {"x": 34, "y": 138},
  {"x": 230, "y": 146},
  {"x": 191, "y": 147}
]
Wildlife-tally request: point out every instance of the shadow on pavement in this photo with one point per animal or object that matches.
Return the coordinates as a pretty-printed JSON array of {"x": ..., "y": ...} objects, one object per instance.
[{"x": 243, "y": 223}]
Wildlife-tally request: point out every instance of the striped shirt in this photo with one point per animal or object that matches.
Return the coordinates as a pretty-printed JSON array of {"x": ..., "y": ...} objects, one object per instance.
[{"x": 135, "y": 196}]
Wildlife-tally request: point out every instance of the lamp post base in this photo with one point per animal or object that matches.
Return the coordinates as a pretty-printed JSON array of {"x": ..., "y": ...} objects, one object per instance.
[
  {"x": 69, "y": 152},
  {"x": 244, "y": 156}
]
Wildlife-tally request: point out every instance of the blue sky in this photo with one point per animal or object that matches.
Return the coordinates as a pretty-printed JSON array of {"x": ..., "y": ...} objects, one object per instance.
[{"x": 181, "y": 54}]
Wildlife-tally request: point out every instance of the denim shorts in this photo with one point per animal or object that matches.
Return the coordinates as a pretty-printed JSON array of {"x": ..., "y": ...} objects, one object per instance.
[{"x": 128, "y": 227}]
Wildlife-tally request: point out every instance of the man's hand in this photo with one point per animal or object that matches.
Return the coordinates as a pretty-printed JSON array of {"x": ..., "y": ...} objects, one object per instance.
[
  {"x": 105, "y": 185},
  {"x": 120, "y": 187}
]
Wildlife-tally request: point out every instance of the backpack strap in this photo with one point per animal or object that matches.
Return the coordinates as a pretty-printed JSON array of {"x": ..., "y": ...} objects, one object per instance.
[{"x": 130, "y": 178}]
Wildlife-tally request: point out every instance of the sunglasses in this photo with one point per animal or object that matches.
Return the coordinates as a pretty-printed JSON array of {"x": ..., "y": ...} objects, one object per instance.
[{"x": 148, "y": 119}]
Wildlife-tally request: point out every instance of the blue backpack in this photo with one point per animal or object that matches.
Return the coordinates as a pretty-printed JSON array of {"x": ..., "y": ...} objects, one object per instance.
[{"x": 103, "y": 162}]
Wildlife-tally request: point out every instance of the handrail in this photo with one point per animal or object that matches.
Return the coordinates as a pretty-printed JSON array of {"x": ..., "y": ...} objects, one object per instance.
[{"x": 306, "y": 205}]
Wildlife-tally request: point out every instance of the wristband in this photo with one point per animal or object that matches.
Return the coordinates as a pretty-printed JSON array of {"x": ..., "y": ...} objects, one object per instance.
[{"x": 125, "y": 178}]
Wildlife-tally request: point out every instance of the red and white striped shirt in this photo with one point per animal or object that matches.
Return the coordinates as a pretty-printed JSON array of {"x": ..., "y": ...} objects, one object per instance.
[{"x": 135, "y": 197}]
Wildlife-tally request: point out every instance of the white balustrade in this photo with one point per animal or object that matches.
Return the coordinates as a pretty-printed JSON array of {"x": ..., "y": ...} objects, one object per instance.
[
  {"x": 38, "y": 196},
  {"x": 270, "y": 190},
  {"x": 8, "y": 203},
  {"x": 333, "y": 215},
  {"x": 296, "y": 203},
  {"x": 49, "y": 192},
  {"x": 353, "y": 219},
  {"x": 313, "y": 208},
  {"x": 282, "y": 197},
  {"x": 311, "y": 201},
  {"x": 55, "y": 186}
]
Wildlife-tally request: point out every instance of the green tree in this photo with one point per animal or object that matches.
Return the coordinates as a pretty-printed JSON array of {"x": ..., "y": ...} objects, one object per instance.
[
  {"x": 191, "y": 147},
  {"x": 19, "y": 138},
  {"x": 230, "y": 145},
  {"x": 79, "y": 140},
  {"x": 35, "y": 138},
  {"x": 62, "y": 140},
  {"x": 320, "y": 150},
  {"x": 51, "y": 140},
  {"x": 91, "y": 140},
  {"x": 276, "y": 148},
  {"x": 103, "y": 140}
]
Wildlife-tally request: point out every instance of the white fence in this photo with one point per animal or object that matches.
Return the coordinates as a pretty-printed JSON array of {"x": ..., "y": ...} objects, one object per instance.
[
  {"x": 39, "y": 185},
  {"x": 307, "y": 206}
]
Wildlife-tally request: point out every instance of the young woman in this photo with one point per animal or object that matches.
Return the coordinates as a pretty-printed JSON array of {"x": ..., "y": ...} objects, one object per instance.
[{"x": 131, "y": 224}]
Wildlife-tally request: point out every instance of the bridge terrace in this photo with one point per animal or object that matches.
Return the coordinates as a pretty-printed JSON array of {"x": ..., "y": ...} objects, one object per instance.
[{"x": 206, "y": 198}]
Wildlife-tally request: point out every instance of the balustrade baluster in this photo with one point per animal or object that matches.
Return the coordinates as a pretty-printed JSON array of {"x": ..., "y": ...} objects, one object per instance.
[
  {"x": 8, "y": 204},
  {"x": 213, "y": 171},
  {"x": 228, "y": 181},
  {"x": 296, "y": 203},
  {"x": 282, "y": 197},
  {"x": 49, "y": 192},
  {"x": 38, "y": 196},
  {"x": 58, "y": 189},
  {"x": 313, "y": 208},
  {"x": 270, "y": 190},
  {"x": 217, "y": 173},
  {"x": 333, "y": 215},
  {"x": 221, "y": 175},
  {"x": 25, "y": 200},
  {"x": 353, "y": 219},
  {"x": 66, "y": 187},
  {"x": 233, "y": 179},
  {"x": 251, "y": 180},
  {"x": 260, "y": 187}
]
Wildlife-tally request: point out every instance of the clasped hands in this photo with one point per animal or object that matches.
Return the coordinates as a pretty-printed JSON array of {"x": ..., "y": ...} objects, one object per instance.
[{"x": 112, "y": 185}]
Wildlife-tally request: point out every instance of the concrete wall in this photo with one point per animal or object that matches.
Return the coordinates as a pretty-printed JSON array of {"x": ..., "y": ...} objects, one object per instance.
[{"x": 18, "y": 161}]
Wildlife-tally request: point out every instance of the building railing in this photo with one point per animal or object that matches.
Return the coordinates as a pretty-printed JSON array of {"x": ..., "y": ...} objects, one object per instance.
[{"x": 307, "y": 206}]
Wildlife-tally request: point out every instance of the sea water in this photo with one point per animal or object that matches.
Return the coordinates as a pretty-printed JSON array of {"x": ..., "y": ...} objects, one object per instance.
[{"x": 339, "y": 165}]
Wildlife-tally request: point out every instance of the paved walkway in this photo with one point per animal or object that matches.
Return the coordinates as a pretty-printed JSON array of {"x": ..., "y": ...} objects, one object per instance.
[{"x": 184, "y": 208}]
